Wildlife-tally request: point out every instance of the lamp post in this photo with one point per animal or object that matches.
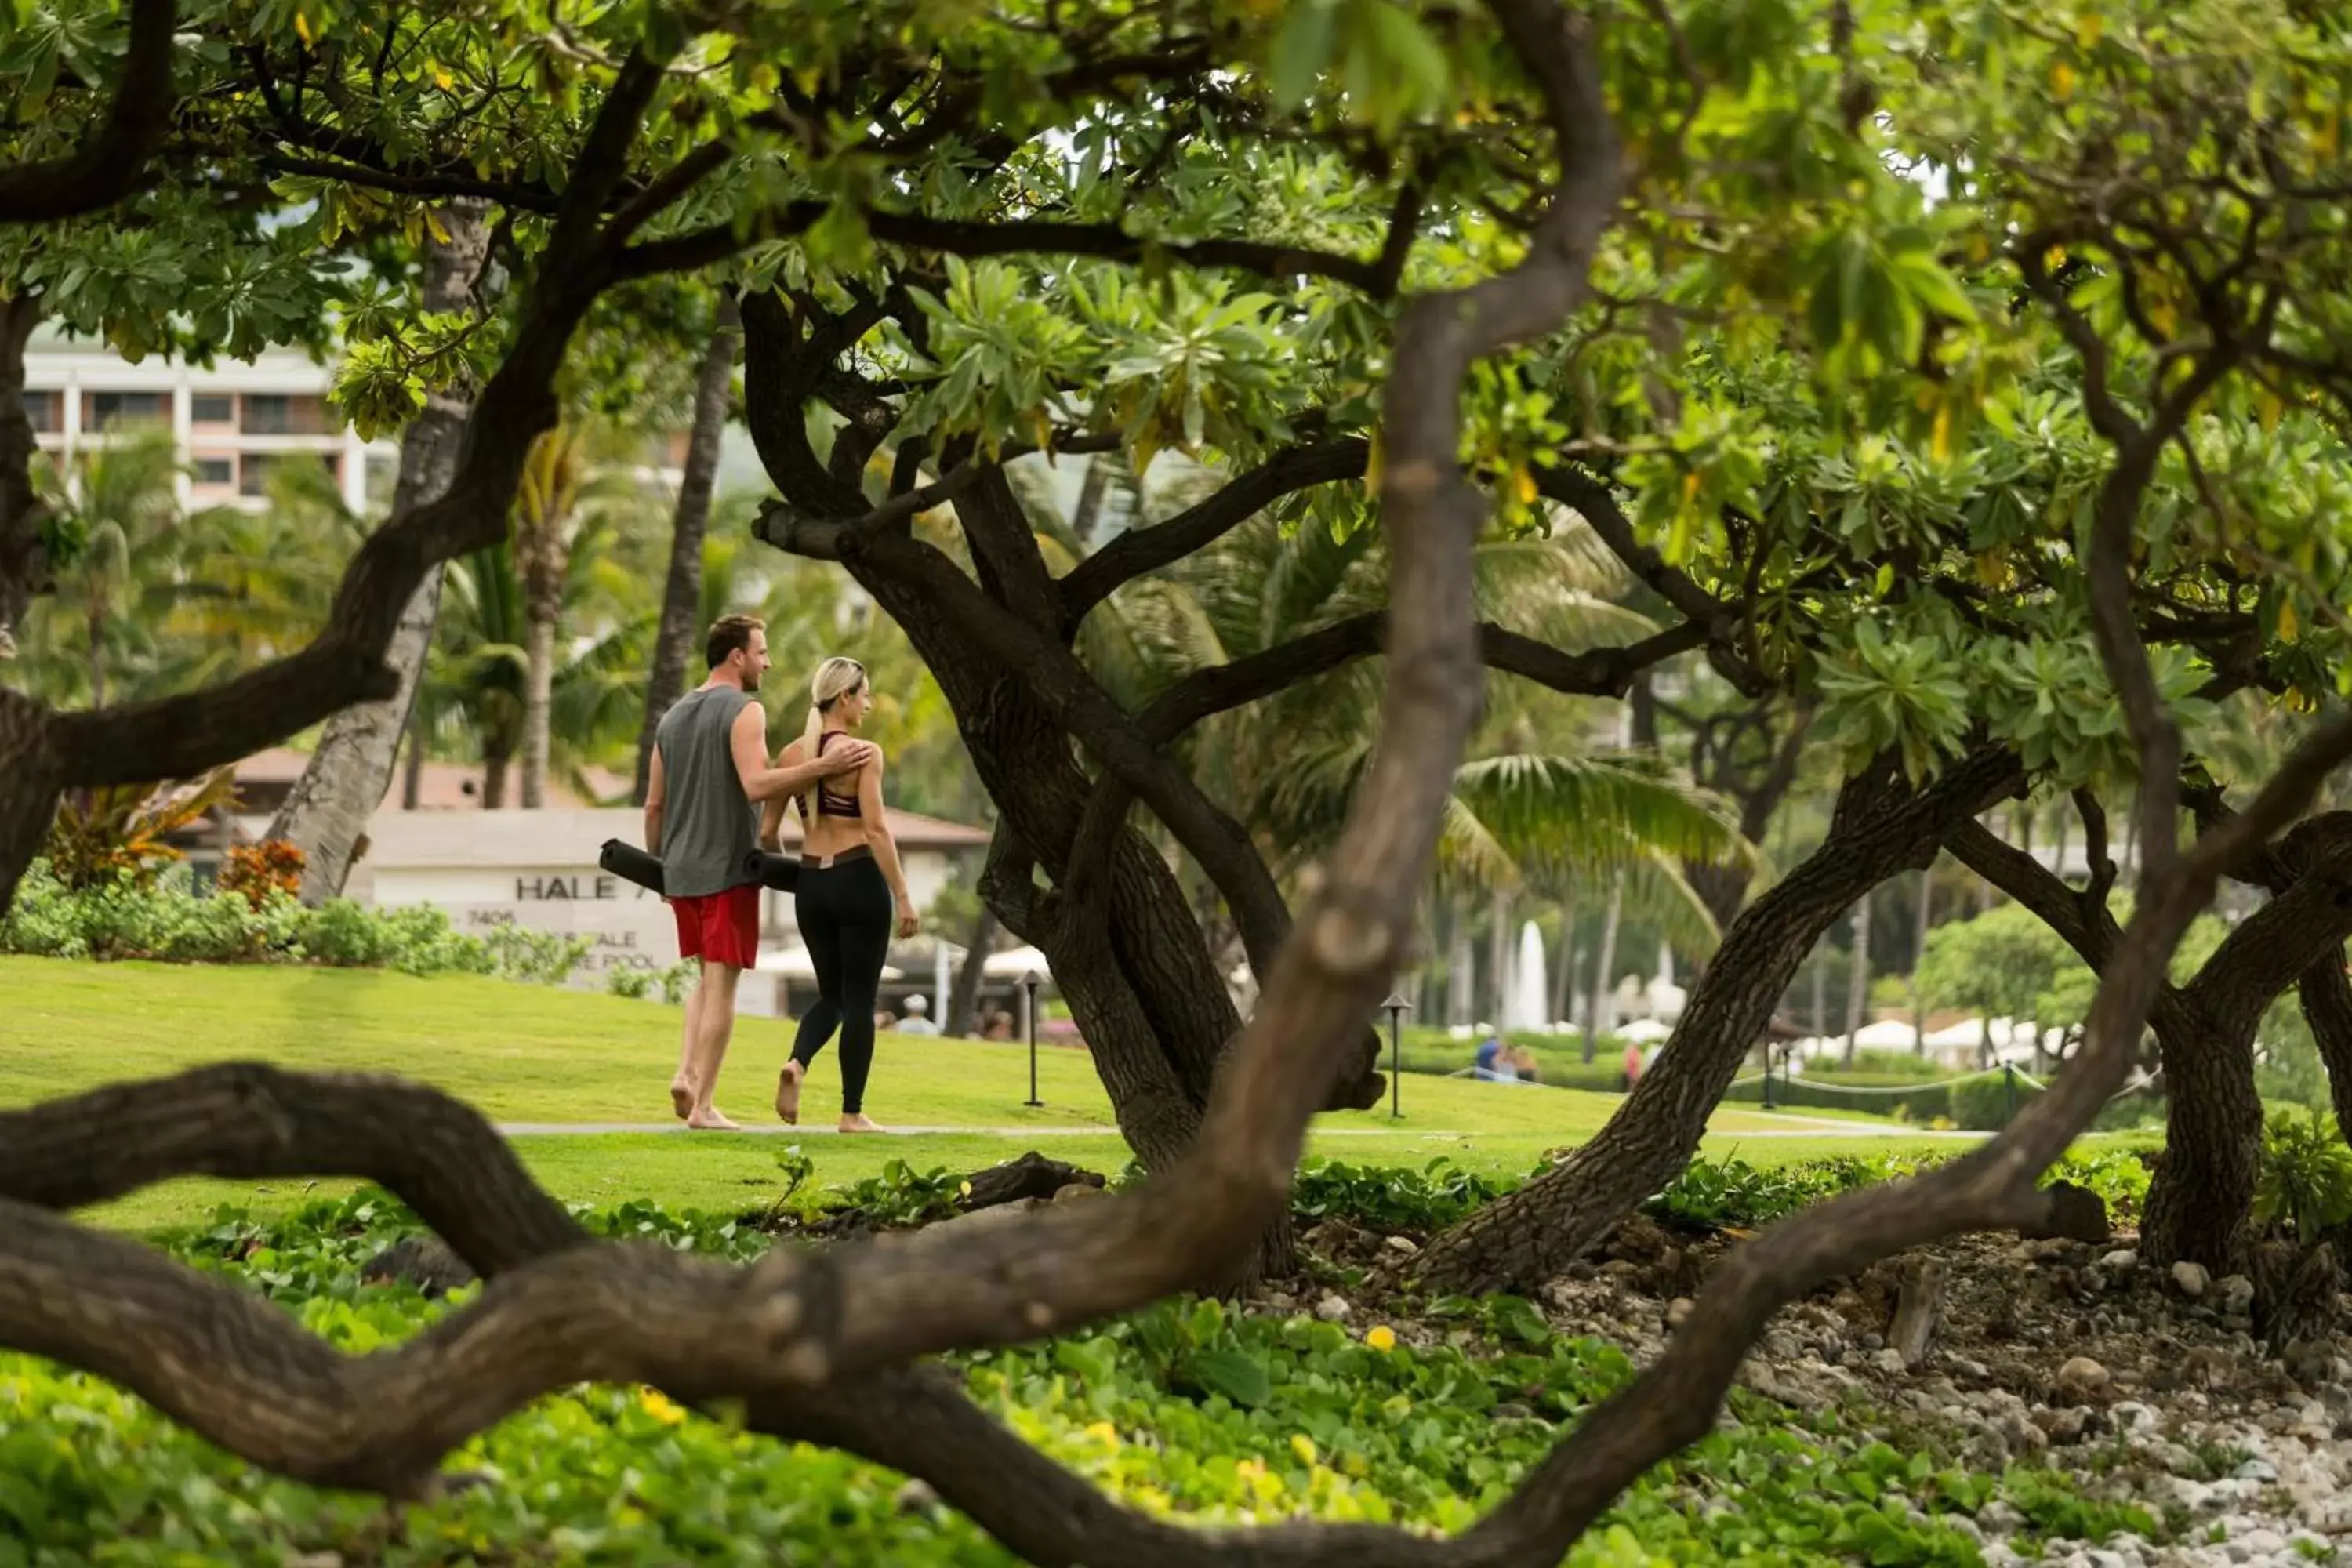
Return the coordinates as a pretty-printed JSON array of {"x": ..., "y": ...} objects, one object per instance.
[
  {"x": 1029, "y": 1008},
  {"x": 1396, "y": 1006}
]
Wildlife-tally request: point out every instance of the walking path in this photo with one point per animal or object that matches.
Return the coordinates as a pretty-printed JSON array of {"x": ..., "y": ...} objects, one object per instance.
[{"x": 1798, "y": 1126}]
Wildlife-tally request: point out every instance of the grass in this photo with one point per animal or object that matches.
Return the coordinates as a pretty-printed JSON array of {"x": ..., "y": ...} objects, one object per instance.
[{"x": 522, "y": 1054}]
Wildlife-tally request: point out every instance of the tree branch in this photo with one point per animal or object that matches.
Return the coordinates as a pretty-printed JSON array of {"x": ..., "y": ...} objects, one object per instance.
[
  {"x": 2086, "y": 928},
  {"x": 1593, "y": 672},
  {"x": 1143, "y": 550},
  {"x": 1009, "y": 237},
  {"x": 181, "y": 736},
  {"x": 108, "y": 165}
]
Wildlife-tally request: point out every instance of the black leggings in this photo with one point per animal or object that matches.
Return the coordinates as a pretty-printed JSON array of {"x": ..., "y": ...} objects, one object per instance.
[{"x": 846, "y": 915}]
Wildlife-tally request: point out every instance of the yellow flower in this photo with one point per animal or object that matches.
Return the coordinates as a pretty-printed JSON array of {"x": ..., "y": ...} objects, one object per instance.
[
  {"x": 1382, "y": 1338},
  {"x": 1304, "y": 1446},
  {"x": 658, "y": 1406},
  {"x": 1106, "y": 1433},
  {"x": 1249, "y": 1469}
]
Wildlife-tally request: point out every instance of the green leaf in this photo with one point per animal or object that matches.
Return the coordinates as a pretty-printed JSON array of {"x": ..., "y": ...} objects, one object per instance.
[
  {"x": 1238, "y": 1375},
  {"x": 1302, "y": 48}
]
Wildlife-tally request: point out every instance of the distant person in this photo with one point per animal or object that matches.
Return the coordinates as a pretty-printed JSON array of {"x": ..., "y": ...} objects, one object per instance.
[
  {"x": 710, "y": 765},
  {"x": 1488, "y": 1062},
  {"x": 999, "y": 1025},
  {"x": 1523, "y": 1064},
  {"x": 851, "y": 886},
  {"x": 1633, "y": 1073},
  {"x": 915, "y": 1022}
]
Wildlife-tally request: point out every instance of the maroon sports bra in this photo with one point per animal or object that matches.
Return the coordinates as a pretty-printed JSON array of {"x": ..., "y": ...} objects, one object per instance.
[{"x": 828, "y": 803}]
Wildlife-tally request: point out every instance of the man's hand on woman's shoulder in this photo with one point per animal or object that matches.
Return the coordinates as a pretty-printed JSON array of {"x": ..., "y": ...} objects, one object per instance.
[{"x": 849, "y": 756}]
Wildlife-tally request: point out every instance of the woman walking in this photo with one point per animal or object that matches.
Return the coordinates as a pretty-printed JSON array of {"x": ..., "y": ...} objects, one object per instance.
[{"x": 852, "y": 893}]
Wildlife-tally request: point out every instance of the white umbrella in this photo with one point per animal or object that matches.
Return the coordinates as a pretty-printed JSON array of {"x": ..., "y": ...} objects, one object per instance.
[
  {"x": 793, "y": 964},
  {"x": 1887, "y": 1033},
  {"x": 1645, "y": 1031},
  {"x": 1019, "y": 961},
  {"x": 1966, "y": 1032}
]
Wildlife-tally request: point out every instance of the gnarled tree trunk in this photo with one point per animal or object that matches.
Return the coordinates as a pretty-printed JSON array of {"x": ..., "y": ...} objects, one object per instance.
[
  {"x": 2203, "y": 1189},
  {"x": 1880, "y": 828},
  {"x": 347, "y": 778},
  {"x": 682, "y": 590},
  {"x": 2200, "y": 1202},
  {"x": 24, "y": 560}
]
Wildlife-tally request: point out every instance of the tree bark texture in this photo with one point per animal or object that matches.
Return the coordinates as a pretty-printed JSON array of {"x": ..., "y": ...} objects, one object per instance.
[
  {"x": 1880, "y": 828},
  {"x": 674, "y": 644},
  {"x": 24, "y": 566},
  {"x": 347, "y": 778}
]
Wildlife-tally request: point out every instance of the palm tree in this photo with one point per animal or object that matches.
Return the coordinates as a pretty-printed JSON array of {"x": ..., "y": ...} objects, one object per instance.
[
  {"x": 476, "y": 677},
  {"x": 546, "y": 515},
  {"x": 476, "y": 690},
  {"x": 1538, "y": 812},
  {"x": 257, "y": 585},
  {"x": 122, "y": 507}
]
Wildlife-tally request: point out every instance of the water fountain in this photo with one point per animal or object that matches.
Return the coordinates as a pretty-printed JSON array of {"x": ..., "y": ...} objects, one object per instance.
[{"x": 1530, "y": 999}]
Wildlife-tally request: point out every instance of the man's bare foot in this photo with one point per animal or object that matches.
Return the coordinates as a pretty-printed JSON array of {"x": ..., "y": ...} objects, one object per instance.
[
  {"x": 681, "y": 1098},
  {"x": 713, "y": 1121},
  {"x": 788, "y": 1092},
  {"x": 859, "y": 1124}
]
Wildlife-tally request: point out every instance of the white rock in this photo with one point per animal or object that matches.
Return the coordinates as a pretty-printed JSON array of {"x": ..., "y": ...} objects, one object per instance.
[
  {"x": 2192, "y": 1277},
  {"x": 2122, "y": 1258},
  {"x": 2083, "y": 1374},
  {"x": 1678, "y": 1311},
  {"x": 1332, "y": 1309},
  {"x": 2257, "y": 1470},
  {"x": 2237, "y": 1295},
  {"x": 1889, "y": 1361}
]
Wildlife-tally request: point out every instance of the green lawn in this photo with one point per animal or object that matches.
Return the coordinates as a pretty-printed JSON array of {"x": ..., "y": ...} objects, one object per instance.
[{"x": 527, "y": 1054}]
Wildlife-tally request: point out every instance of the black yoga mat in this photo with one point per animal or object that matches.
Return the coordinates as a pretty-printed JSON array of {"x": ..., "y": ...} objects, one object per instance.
[{"x": 631, "y": 864}]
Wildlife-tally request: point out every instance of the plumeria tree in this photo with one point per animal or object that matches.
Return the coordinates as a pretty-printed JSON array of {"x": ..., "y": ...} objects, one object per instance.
[{"x": 1935, "y": 466}]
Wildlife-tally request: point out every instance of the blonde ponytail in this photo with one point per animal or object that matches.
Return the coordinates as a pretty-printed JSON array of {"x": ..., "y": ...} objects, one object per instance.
[{"x": 833, "y": 678}]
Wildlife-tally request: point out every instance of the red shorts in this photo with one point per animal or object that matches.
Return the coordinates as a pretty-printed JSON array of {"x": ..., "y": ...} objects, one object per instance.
[{"x": 721, "y": 928}]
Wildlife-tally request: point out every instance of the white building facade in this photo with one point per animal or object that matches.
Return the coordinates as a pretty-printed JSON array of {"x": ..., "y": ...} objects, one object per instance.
[{"x": 231, "y": 423}]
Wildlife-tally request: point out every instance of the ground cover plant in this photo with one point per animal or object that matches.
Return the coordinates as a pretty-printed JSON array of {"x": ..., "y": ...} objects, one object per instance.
[{"x": 1969, "y": 385}]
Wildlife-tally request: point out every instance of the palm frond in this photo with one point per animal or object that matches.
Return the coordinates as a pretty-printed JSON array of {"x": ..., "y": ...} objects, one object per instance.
[
  {"x": 1655, "y": 893},
  {"x": 1469, "y": 851},
  {"x": 1580, "y": 814}
]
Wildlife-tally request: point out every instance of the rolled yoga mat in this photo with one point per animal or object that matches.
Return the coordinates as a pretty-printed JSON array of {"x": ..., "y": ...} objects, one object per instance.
[{"x": 631, "y": 864}]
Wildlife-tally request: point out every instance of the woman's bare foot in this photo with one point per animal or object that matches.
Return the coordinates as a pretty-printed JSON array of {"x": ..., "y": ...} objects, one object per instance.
[
  {"x": 788, "y": 1092},
  {"x": 859, "y": 1124},
  {"x": 712, "y": 1119},
  {"x": 681, "y": 1098}
]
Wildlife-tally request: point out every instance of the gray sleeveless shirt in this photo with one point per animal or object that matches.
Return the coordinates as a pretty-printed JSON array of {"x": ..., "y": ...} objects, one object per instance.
[{"x": 709, "y": 826}]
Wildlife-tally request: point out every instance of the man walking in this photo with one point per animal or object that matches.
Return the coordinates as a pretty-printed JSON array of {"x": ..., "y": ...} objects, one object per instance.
[{"x": 702, "y": 817}]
